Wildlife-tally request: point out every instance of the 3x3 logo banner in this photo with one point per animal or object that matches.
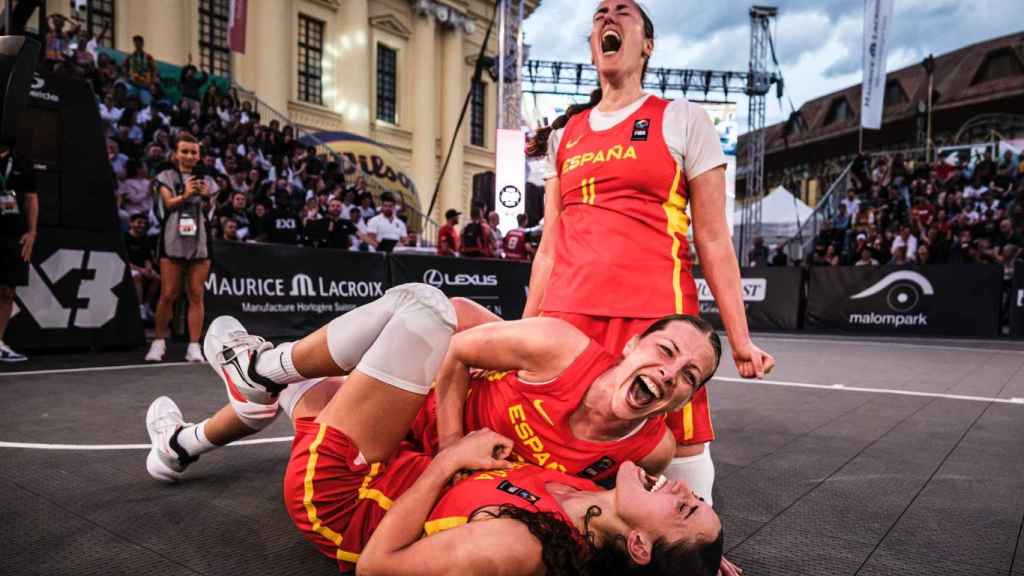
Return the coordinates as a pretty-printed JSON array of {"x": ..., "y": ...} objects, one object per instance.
[
  {"x": 929, "y": 300},
  {"x": 79, "y": 295},
  {"x": 1016, "y": 303}
]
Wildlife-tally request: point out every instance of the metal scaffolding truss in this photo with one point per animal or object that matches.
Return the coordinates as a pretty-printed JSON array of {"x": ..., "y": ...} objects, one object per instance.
[{"x": 575, "y": 79}]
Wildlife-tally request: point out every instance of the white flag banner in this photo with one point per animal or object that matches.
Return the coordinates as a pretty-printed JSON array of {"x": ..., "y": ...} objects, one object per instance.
[
  {"x": 510, "y": 178},
  {"x": 877, "y": 20}
]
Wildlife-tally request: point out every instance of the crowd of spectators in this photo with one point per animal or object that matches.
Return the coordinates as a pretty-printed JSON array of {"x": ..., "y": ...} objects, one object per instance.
[
  {"x": 270, "y": 188},
  {"x": 902, "y": 212}
]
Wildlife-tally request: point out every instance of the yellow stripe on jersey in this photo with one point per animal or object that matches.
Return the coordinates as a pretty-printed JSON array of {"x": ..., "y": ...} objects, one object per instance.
[
  {"x": 688, "y": 421},
  {"x": 307, "y": 499},
  {"x": 678, "y": 225},
  {"x": 366, "y": 493},
  {"x": 442, "y": 524}
]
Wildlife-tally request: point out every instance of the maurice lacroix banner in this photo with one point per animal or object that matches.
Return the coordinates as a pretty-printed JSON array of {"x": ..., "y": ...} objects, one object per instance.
[
  {"x": 499, "y": 285},
  {"x": 79, "y": 295},
  {"x": 946, "y": 300},
  {"x": 771, "y": 297},
  {"x": 279, "y": 291}
]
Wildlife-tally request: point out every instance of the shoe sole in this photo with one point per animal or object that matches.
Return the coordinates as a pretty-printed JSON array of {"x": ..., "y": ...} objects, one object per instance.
[{"x": 13, "y": 360}]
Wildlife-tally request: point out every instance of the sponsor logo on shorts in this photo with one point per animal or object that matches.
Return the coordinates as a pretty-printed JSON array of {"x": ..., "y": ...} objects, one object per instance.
[
  {"x": 903, "y": 293},
  {"x": 439, "y": 279}
]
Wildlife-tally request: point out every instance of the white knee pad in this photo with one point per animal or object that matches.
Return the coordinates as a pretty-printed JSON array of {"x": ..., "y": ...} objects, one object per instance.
[
  {"x": 292, "y": 393},
  {"x": 254, "y": 416},
  {"x": 400, "y": 339},
  {"x": 697, "y": 471}
]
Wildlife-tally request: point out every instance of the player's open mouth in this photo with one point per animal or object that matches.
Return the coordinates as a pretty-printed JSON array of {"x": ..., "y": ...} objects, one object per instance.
[
  {"x": 643, "y": 391},
  {"x": 651, "y": 483},
  {"x": 610, "y": 42}
]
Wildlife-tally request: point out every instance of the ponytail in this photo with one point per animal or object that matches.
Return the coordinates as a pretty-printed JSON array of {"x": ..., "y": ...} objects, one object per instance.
[{"x": 538, "y": 146}]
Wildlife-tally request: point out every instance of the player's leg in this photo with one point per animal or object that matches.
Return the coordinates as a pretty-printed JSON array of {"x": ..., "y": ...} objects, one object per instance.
[{"x": 392, "y": 347}]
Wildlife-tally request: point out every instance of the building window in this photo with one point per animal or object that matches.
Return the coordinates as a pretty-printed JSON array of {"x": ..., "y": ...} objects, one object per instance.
[
  {"x": 999, "y": 64},
  {"x": 895, "y": 95},
  {"x": 387, "y": 84},
  {"x": 311, "y": 60},
  {"x": 214, "y": 51},
  {"x": 838, "y": 111},
  {"x": 96, "y": 18},
  {"x": 478, "y": 117}
]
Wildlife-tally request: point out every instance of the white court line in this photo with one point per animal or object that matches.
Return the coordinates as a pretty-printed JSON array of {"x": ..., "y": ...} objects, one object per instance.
[
  {"x": 87, "y": 447},
  {"x": 844, "y": 388},
  {"x": 101, "y": 368},
  {"x": 866, "y": 342}
]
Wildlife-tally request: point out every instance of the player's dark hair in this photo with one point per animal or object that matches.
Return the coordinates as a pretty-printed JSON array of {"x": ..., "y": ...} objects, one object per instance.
[
  {"x": 698, "y": 323},
  {"x": 564, "y": 551},
  {"x": 538, "y": 145}
]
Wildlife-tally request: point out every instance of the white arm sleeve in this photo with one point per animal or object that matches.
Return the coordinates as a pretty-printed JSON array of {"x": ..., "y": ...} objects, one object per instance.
[
  {"x": 551, "y": 162},
  {"x": 697, "y": 471},
  {"x": 692, "y": 138}
]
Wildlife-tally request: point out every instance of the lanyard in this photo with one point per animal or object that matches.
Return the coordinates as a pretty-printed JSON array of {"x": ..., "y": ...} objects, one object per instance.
[{"x": 7, "y": 174}]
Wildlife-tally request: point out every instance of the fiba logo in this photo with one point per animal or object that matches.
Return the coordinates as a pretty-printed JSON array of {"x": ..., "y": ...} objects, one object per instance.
[
  {"x": 904, "y": 292},
  {"x": 302, "y": 285},
  {"x": 510, "y": 196}
]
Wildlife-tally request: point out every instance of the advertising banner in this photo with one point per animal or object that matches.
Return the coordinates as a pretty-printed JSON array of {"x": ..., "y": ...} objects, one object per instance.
[
  {"x": 285, "y": 291},
  {"x": 770, "y": 295},
  {"x": 948, "y": 300},
  {"x": 510, "y": 180},
  {"x": 877, "y": 21},
  {"x": 79, "y": 295},
  {"x": 1017, "y": 302},
  {"x": 499, "y": 285}
]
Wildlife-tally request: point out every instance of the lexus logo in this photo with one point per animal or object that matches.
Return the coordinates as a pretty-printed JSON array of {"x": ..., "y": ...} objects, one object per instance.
[
  {"x": 434, "y": 278},
  {"x": 903, "y": 290}
]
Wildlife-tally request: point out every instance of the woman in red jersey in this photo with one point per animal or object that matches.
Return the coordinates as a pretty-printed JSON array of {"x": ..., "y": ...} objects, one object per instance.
[
  {"x": 368, "y": 500},
  {"x": 622, "y": 170}
]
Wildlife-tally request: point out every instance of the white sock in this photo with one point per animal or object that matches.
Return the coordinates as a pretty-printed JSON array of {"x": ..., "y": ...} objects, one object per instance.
[
  {"x": 193, "y": 439},
  {"x": 277, "y": 366}
]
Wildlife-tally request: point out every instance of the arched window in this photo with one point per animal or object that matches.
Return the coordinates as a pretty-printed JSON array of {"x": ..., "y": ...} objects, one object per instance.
[{"x": 838, "y": 111}]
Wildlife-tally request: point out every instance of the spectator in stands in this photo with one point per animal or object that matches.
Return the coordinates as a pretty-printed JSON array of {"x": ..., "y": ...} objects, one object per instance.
[
  {"x": 448, "y": 235},
  {"x": 866, "y": 259},
  {"x": 335, "y": 231},
  {"x": 134, "y": 195},
  {"x": 237, "y": 211},
  {"x": 311, "y": 211},
  {"x": 384, "y": 231},
  {"x": 183, "y": 245},
  {"x": 140, "y": 68},
  {"x": 496, "y": 236},
  {"x": 229, "y": 232},
  {"x": 852, "y": 203},
  {"x": 118, "y": 161},
  {"x": 191, "y": 80},
  {"x": 899, "y": 256},
  {"x": 906, "y": 241},
  {"x": 515, "y": 245},
  {"x": 366, "y": 208},
  {"x": 475, "y": 240},
  {"x": 758, "y": 255},
  {"x": 259, "y": 223},
  {"x": 779, "y": 258},
  {"x": 923, "y": 255},
  {"x": 359, "y": 238},
  {"x": 285, "y": 225}
]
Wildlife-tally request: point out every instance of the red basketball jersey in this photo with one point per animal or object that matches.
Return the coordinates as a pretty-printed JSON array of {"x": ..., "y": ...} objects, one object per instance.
[
  {"x": 536, "y": 418},
  {"x": 522, "y": 487},
  {"x": 622, "y": 249}
]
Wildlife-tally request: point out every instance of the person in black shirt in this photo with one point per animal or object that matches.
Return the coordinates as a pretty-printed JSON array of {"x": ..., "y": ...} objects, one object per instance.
[
  {"x": 141, "y": 251},
  {"x": 259, "y": 223},
  {"x": 19, "y": 215},
  {"x": 285, "y": 227},
  {"x": 334, "y": 231}
]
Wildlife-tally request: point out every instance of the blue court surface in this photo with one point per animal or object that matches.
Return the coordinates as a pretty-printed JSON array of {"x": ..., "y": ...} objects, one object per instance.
[{"x": 855, "y": 457}]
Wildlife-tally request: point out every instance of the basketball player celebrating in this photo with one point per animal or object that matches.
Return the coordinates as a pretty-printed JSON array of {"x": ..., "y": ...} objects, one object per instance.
[
  {"x": 614, "y": 257},
  {"x": 366, "y": 499}
]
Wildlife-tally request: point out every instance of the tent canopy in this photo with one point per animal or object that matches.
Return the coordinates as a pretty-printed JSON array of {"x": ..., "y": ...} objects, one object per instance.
[{"x": 781, "y": 215}]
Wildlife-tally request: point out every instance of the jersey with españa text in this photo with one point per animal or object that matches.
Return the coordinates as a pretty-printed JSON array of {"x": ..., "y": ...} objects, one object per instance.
[
  {"x": 536, "y": 418},
  {"x": 621, "y": 248},
  {"x": 522, "y": 487}
]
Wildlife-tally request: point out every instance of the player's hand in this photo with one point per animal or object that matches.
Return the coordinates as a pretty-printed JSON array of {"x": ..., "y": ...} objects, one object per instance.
[
  {"x": 479, "y": 450},
  {"x": 28, "y": 240},
  {"x": 729, "y": 569},
  {"x": 751, "y": 361}
]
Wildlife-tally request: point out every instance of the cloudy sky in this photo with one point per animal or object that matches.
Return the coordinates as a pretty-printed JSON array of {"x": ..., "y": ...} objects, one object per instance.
[{"x": 818, "y": 42}]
